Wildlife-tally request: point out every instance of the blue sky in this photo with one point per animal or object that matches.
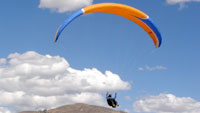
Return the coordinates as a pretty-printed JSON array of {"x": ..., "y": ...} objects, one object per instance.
[{"x": 109, "y": 42}]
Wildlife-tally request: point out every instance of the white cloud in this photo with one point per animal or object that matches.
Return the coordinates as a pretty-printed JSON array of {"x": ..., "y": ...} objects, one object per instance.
[
  {"x": 180, "y": 2},
  {"x": 2, "y": 61},
  {"x": 167, "y": 103},
  {"x": 31, "y": 81},
  {"x": 158, "y": 67},
  {"x": 127, "y": 110},
  {"x": 149, "y": 68},
  {"x": 140, "y": 68},
  {"x": 4, "y": 110},
  {"x": 64, "y": 5}
]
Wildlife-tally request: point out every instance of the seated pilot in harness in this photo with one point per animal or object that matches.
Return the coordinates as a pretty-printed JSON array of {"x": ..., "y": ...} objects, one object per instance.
[{"x": 111, "y": 101}]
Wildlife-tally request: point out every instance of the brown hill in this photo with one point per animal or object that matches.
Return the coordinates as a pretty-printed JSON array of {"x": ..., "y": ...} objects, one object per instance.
[{"x": 78, "y": 108}]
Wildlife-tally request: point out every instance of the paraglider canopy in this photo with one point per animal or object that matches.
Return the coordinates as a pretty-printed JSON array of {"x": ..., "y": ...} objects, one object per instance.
[{"x": 133, "y": 14}]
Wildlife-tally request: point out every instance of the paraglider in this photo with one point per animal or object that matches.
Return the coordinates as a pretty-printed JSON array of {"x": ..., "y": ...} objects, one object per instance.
[
  {"x": 112, "y": 100},
  {"x": 128, "y": 12},
  {"x": 133, "y": 14}
]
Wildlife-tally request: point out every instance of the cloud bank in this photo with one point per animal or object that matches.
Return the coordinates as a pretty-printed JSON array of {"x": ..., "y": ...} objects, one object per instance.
[
  {"x": 167, "y": 103},
  {"x": 64, "y": 5},
  {"x": 31, "y": 81}
]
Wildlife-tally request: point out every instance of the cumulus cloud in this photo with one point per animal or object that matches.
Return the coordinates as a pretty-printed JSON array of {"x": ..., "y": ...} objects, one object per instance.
[
  {"x": 64, "y": 5},
  {"x": 149, "y": 68},
  {"x": 167, "y": 103},
  {"x": 31, "y": 81},
  {"x": 4, "y": 110}
]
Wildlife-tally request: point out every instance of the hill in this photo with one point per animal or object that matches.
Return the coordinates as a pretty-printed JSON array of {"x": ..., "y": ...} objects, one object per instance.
[{"x": 77, "y": 108}]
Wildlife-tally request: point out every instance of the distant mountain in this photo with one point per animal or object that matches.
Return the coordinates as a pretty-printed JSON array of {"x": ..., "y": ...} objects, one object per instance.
[{"x": 77, "y": 108}]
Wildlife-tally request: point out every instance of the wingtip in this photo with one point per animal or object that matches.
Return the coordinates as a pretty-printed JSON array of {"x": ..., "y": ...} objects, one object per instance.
[{"x": 55, "y": 38}]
